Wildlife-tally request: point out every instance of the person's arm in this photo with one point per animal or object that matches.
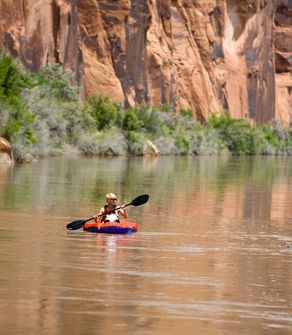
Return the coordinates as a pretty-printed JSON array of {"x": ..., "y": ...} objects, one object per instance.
[
  {"x": 123, "y": 212},
  {"x": 100, "y": 215}
]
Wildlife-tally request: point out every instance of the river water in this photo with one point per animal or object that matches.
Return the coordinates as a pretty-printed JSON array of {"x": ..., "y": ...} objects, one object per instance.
[{"x": 213, "y": 254}]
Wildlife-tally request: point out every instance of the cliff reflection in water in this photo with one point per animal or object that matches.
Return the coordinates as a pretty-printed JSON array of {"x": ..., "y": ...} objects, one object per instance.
[{"x": 247, "y": 186}]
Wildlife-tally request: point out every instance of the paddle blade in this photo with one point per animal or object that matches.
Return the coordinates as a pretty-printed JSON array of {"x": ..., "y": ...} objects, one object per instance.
[
  {"x": 74, "y": 225},
  {"x": 141, "y": 200}
]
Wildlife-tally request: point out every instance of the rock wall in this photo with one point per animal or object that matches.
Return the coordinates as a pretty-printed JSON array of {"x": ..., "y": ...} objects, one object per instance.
[
  {"x": 6, "y": 156},
  {"x": 40, "y": 32},
  {"x": 207, "y": 55},
  {"x": 283, "y": 60}
]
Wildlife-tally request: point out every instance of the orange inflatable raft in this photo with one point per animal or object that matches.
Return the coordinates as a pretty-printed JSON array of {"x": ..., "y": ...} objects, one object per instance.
[{"x": 122, "y": 227}]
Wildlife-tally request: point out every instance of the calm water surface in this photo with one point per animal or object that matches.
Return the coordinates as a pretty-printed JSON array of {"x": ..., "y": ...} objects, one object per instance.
[{"x": 213, "y": 254}]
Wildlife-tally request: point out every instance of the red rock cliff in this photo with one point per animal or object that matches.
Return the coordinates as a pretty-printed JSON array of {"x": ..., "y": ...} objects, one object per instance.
[{"x": 207, "y": 55}]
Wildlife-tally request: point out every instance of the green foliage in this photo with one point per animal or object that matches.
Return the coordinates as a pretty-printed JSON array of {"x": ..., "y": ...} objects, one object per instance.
[
  {"x": 106, "y": 143},
  {"x": 133, "y": 136},
  {"x": 241, "y": 138},
  {"x": 112, "y": 142},
  {"x": 135, "y": 142},
  {"x": 12, "y": 81},
  {"x": 149, "y": 118},
  {"x": 77, "y": 121},
  {"x": 205, "y": 141},
  {"x": 103, "y": 111},
  {"x": 131, "y": 121},
  {"x": 238, "y": 135},
  {"x": 224, "y": 122},
  {"x": 17, "y": 122},
  {"x": 58, "y": 81},
  {"x": 270, "y": 136},
  {"x": 164, "y": 108},
  {"x": 186, "y": 113},
  {"x": 182, "y": 142},
  {"x": 277, "y": 138},
  {"x": 40, "y": 114}
]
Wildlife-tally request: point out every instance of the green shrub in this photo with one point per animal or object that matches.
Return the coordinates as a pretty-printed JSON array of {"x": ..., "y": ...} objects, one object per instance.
[
  {"x": 106, "y": 143},
  {"x": 88, "y": 144},
  {"x": 135, "y": 142},
  {"x": 205, "y": 141},
  {"x": 17, "y": 122},
  {"x": 40, "y": 115},
  {"x": 186, "y": 113},
  {"x": 168, "y": 121},
  {"x": 278, "y": 137},
  {"x": 50, "y": 125},
  {"x": 237, "y": 134},
  {"x": 133, "y": 136},
  {"x": 149, "y": 118},
  {"x": 182, "y": 143},
  {"x": 166, "y": 146},
  {"x": 57, "y": 81},
  {"x": 78, "y": 121},
  {"x": 103, "y": 111},
  {"x": 164, "y": 108},
  {"x": 270, "y": 136},
  {"x": 12, "y": 80},
  {"x": 219, "y": 121},
  {"x": 112, "y": 142},
  {"x": 131, "y": 121}
]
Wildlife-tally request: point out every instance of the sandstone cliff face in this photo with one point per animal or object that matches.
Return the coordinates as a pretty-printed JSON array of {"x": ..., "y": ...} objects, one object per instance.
[
  {"x": 207, "y": 55},
  {"x": 6, "y": 157},
  {"x": 41, "y": 32},
  {"x": 283, "y": 60}
]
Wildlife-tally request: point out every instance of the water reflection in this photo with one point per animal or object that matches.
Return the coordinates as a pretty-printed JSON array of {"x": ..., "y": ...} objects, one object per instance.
[
  {"x": 208, "y": 257},
  {"x": 246, "y": 185}
]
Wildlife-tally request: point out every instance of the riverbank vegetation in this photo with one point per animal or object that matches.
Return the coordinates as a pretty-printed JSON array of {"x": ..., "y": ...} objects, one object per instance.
[{"x": 41, "y": 115}]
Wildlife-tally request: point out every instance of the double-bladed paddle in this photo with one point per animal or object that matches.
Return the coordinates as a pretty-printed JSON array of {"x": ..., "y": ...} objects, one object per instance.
[{"x": 141, "y": 200}]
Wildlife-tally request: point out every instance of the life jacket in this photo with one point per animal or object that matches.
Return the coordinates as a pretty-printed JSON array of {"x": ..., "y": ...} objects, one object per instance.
[{"x": 109, "y": 216}]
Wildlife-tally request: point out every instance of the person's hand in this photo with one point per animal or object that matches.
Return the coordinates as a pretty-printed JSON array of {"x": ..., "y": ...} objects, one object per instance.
[{"x": 96, "y": 217}]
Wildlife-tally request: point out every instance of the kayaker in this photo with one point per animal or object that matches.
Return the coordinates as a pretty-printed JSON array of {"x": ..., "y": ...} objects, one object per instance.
[{"x": 108, "y": 212}]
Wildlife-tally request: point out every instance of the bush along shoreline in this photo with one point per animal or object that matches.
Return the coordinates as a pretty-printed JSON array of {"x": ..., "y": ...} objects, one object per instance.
[{"x": 41, "y": 115}]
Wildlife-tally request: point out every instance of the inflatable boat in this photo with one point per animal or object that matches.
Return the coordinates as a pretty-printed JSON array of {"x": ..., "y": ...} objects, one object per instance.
[{"x": 122, "y": 227}]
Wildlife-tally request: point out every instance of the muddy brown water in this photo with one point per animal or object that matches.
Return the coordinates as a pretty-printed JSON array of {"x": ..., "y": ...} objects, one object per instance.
[{"x": 213, "y": 254}]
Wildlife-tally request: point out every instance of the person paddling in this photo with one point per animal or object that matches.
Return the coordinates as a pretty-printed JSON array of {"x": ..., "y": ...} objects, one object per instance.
[
  {"x": 138, "y": 201},
  {"x": 108, "y": 212}
]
